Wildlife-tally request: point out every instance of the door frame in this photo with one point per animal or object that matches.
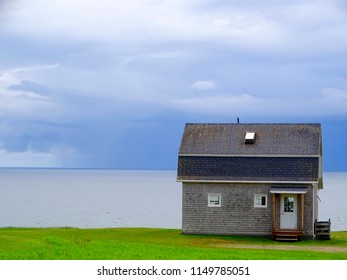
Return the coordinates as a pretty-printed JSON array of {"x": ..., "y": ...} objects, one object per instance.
[{"x": 288, "y": 220}]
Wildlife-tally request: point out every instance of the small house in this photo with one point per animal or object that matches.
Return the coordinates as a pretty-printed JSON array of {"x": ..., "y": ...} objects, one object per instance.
[{"x": 250, "y": 179}]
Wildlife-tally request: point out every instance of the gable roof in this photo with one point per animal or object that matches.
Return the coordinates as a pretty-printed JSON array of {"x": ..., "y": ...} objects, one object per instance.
[
  {"x": 277, "y": 153},
  {"x": 271, "y": 139}
]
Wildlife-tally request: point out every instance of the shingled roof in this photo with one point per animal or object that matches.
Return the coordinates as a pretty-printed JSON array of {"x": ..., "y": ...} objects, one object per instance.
[
  {"x": 271, "y": 139},
  {"x": 280, "y": 152}
]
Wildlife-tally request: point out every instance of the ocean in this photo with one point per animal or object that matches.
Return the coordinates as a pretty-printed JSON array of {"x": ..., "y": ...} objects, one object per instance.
[{"x": 88, "y": 198}]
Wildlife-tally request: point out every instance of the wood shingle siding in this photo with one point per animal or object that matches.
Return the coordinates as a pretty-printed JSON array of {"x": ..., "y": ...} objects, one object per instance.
[
  {"x": 237, "y": 214},
  {"x": 248, "y": 168}
]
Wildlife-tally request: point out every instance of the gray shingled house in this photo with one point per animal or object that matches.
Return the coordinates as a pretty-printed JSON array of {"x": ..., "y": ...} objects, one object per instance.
[{"x": 250, "y": 179}]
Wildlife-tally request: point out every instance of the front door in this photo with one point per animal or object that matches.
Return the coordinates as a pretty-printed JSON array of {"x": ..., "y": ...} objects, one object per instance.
[{"x": 289, "y": 211}]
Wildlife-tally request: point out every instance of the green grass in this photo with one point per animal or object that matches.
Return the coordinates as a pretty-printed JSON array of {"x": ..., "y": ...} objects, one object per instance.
[{"x": 155, "y": 244}]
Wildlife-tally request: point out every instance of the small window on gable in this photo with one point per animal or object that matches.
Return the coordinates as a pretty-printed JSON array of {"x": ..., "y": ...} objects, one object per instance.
[
  {"x": 260, "y": 200},
  {"x": 250, "y": 138},
  {"x": 214, "y": 200}
]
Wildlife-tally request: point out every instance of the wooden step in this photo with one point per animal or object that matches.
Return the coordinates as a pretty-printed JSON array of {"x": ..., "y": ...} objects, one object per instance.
[
  {"x": 284, "y": 235},
  {"x": 288, "y": 235},
  {"x": 286, "y": 238}
]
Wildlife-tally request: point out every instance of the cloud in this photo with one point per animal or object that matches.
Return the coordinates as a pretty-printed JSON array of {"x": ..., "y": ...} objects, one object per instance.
[
  {"x": 27, "y": 143},
  {"x": 38, "y": 90},
  {"x": 204, "y": 85},
  {"x": 30, "y": 158},
  {"x": 329, "y": 103},
  {"x": 30, "y": 93},
  {"x": 334, "y": 94},
  {"x": 221, "y": 104},
  {"x": 20, "y": 98},
  {"x": 270, "y": 27},
  {"x": 333, "y": 101},
  {"x": 79, "y": 75}
]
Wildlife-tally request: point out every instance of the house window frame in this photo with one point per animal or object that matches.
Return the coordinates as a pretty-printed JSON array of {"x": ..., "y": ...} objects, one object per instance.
[
  {"x": 256, "y": 200},
  {"x": 211, "y": 203}
]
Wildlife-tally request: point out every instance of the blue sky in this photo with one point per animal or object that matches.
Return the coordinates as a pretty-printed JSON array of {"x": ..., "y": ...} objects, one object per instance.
[{"x": 110, "y": 84}]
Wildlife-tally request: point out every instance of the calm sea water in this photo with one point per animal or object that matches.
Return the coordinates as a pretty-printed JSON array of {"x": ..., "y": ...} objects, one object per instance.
[{"x": 115, "y": 198}]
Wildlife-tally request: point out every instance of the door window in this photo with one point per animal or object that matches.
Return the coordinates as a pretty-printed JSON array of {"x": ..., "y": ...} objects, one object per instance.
[{"x": 288, "y": 204}]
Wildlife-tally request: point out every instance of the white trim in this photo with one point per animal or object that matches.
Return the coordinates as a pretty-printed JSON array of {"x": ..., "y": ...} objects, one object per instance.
[
  {"x": 247, "y": 155},
  {"x": 289, "y": 190},
  {"x": 247, "y": 182},
  {"x": 313, "y": 207},
  {"x": 255, "y": 200},
  {"x": 219, "y": 200}
]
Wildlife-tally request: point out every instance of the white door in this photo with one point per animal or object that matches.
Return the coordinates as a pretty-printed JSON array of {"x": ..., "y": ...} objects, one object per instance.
[{"x": 289, "y": 211}]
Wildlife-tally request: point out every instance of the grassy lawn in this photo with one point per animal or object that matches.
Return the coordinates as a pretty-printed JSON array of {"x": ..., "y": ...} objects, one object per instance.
[{"x": 157, "y": 244}]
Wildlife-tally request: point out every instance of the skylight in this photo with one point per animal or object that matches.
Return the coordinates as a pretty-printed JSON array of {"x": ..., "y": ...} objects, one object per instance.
[{"x": 250, "y": 138}]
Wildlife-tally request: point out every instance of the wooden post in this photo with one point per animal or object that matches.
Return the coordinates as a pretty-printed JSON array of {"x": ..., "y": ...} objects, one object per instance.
[
  {"x": 273, "y": 212},
  {"x": 302, "y": 210}
]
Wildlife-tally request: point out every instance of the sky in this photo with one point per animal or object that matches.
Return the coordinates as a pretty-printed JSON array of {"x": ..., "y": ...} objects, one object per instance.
[{"x": 111, "y": 83}]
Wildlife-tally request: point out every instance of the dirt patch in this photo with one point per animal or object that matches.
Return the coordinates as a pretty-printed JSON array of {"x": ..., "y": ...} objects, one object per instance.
[{"x": 328, "y": 249}]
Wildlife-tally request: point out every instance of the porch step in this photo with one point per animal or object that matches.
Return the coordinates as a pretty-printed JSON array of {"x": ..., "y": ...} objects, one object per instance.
[
  {"x": 287, "y": 235},
  {"x": 286, "y": 238}
]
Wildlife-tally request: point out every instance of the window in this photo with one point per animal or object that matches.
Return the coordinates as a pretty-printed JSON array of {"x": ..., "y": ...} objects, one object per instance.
[
  {"x": 288, "y": 204},
  {"x": 250, "y": 138},
  {"x": 260, "y": 200},
  {"x": 214, "y": 200}
]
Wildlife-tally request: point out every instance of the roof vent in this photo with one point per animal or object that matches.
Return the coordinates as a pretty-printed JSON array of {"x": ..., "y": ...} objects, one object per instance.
[{"x": 250, "y": 138}]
